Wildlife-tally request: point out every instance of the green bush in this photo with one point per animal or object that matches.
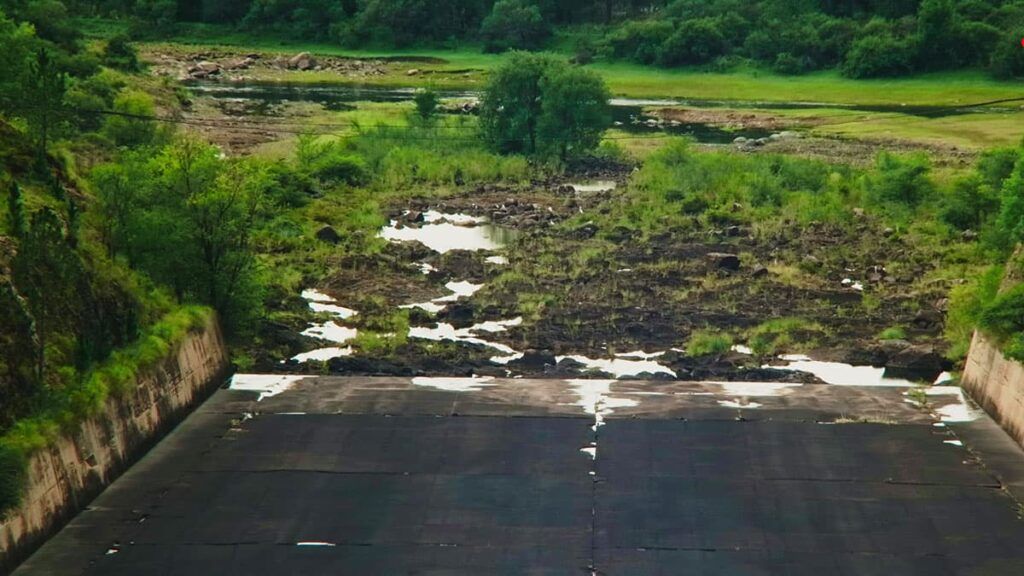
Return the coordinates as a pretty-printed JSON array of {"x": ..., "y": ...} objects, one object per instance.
[
  {"x": 131, "y": 123},
  {"x": 879, "y": 56},
  {"x": 966, "y": 305},
  {"x": 893, "y": 333},
  {"x": 514, "y": 25},
  {"x": 1004, "y": 316},
  {"x": 121, "y": 54},
  {"x": 694, "y": 42},
  {"x": 1008, "y": 57},
  {"x": 337, "y": 167},
  {"x": 970, "y": 204},
  {"x": 639, "y": 40},
  {"x": 708, "y": 343},
  {"x": 900, "y": 180}
]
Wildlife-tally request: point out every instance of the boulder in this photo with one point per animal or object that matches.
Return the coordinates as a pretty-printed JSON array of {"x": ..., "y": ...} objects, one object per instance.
[
  {"x": 460, "y": 314},
  {"x": 414, "y": 217},
  {"x": 328, "y": 234},
  {"x": 535, "y": 360},
  {"x": 302, "y": 61},
  {"x": 759, "y": 271},
  {"x": 926, "y": 319},
  {"x": 723, "y": 261},
  {"x": 413, "y": 72},
  {"x": 918, "y": 361}
]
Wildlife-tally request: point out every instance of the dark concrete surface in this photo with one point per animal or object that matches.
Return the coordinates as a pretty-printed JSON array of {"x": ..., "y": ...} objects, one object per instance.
[{"x": 404, "y": 479}]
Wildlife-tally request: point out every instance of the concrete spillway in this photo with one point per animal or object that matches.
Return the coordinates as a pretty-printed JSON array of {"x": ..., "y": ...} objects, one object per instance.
[{"x": 459, "y": 476}]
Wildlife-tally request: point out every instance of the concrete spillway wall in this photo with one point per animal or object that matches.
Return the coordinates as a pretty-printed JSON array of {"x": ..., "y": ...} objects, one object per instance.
[
  {"x": 997, "y": 384},
  {"x": 73, "y": 470}
]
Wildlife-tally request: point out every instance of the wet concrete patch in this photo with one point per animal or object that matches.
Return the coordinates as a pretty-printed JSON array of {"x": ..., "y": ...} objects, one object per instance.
[{"x": 485, "y": 476}]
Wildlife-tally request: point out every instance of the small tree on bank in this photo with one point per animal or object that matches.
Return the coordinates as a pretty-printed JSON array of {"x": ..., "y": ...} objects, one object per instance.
[{"x": 540, "y": 106}]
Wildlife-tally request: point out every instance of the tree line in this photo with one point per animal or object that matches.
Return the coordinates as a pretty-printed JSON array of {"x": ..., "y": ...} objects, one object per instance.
[{"x": 861, "y": 38}]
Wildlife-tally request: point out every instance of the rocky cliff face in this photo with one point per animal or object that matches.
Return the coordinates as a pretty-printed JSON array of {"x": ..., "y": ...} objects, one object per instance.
[{"x": 64, "y": 478}]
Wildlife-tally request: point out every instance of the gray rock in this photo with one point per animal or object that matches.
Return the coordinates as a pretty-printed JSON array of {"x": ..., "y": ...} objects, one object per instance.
[
  {"x": 723, "y": 261},
  {"x": 302, "y": 61},
  {"x": 535, "y": 360},
  {"x": 328, "y": 234}
]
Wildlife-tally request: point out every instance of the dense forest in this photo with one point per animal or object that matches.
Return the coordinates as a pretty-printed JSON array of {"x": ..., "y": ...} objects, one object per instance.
[{"x": 861, "y": 38}]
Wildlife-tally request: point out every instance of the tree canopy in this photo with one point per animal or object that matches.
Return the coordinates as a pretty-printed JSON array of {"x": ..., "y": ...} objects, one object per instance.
[{"x": 534, "y": 104}]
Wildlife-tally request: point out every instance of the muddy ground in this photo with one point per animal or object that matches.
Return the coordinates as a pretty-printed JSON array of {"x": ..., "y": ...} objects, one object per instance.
[{"x": 643, "y": 294}]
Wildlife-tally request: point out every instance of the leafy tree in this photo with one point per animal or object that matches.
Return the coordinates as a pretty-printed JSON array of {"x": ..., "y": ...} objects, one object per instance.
[
  {"x": 1008, "y": 57},
  {"x": 534, "y": 104},
  {"x": 514, "y": 25},
  {"x": 44, "y": 109},
  {"x": 639, "y": 40},
  {"x": 1009, "y": 228},
  {"x": 694, "y": 42},
  {"x": 511, "y": 105},
  {"x": 119, "y": 53},
  {"x": 574, "y": 111},
  {"x": 48, "y": 273},
  {"x": 876, "y": 56}
]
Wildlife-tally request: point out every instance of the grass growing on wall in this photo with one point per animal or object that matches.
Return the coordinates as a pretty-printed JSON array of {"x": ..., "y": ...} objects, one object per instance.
[{"x": 66, "y": 408}]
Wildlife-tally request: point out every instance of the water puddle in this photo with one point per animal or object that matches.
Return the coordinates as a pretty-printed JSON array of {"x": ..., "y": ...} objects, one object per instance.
[
  {"x": 458, "y": 290},
  {"x": 595, "y": 398},
  {"x": 961, "y": 410},
  {"x": 474, "y": 384},
  {"x": 324, "y": 354},
  {"x": 593, "y": 187},
  {"x": 443, "y": 232},
  {"x": 446, "y": 332},
  {"x": 329, "y": 330},
  {"x": 620, "y": 367},
  {"x": 266, "y": 384},
  {"x": 841, "y": 374}
]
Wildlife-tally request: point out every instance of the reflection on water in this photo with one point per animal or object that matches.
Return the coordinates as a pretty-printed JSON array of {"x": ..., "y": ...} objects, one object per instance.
[{"x": 444, "y": 237}]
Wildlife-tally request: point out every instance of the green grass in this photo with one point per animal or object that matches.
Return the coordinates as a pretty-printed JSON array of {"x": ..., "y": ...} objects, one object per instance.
[
  {"x": 893, "y": 333},
  {"x": 708, "y": 343}
]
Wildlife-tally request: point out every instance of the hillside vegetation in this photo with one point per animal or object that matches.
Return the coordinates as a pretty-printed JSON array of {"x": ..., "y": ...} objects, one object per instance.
[{"x": 861, "y": 38}]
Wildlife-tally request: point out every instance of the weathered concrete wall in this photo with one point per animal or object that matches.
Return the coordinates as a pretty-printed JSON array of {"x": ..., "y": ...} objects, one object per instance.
[
  {"x": 64, "y": 478},
  {"x": 997, "y": 384}
]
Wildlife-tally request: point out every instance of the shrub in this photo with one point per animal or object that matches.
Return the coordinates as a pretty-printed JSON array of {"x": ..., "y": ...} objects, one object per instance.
[
  {"x": 879, "y": 56},
  {"x": 131, "y": 124},
  {"x": 1004, "y": 316},
  {"x": 900, "y": 180},
  {"x": 694, "y": 42},
  {"x": 970, "y": 203},
  {"x": 639, "y": 40},
  {"x": 708, "y": 343},
  {"x": 1008, "y": 57},
  {"x": 787, "y": 63},
  {"x": 966, "y": 304},
  {"x": 119, "y": 53},
  {"x": 514, "y": 25},
  {"x": 426, "y": 102}
]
